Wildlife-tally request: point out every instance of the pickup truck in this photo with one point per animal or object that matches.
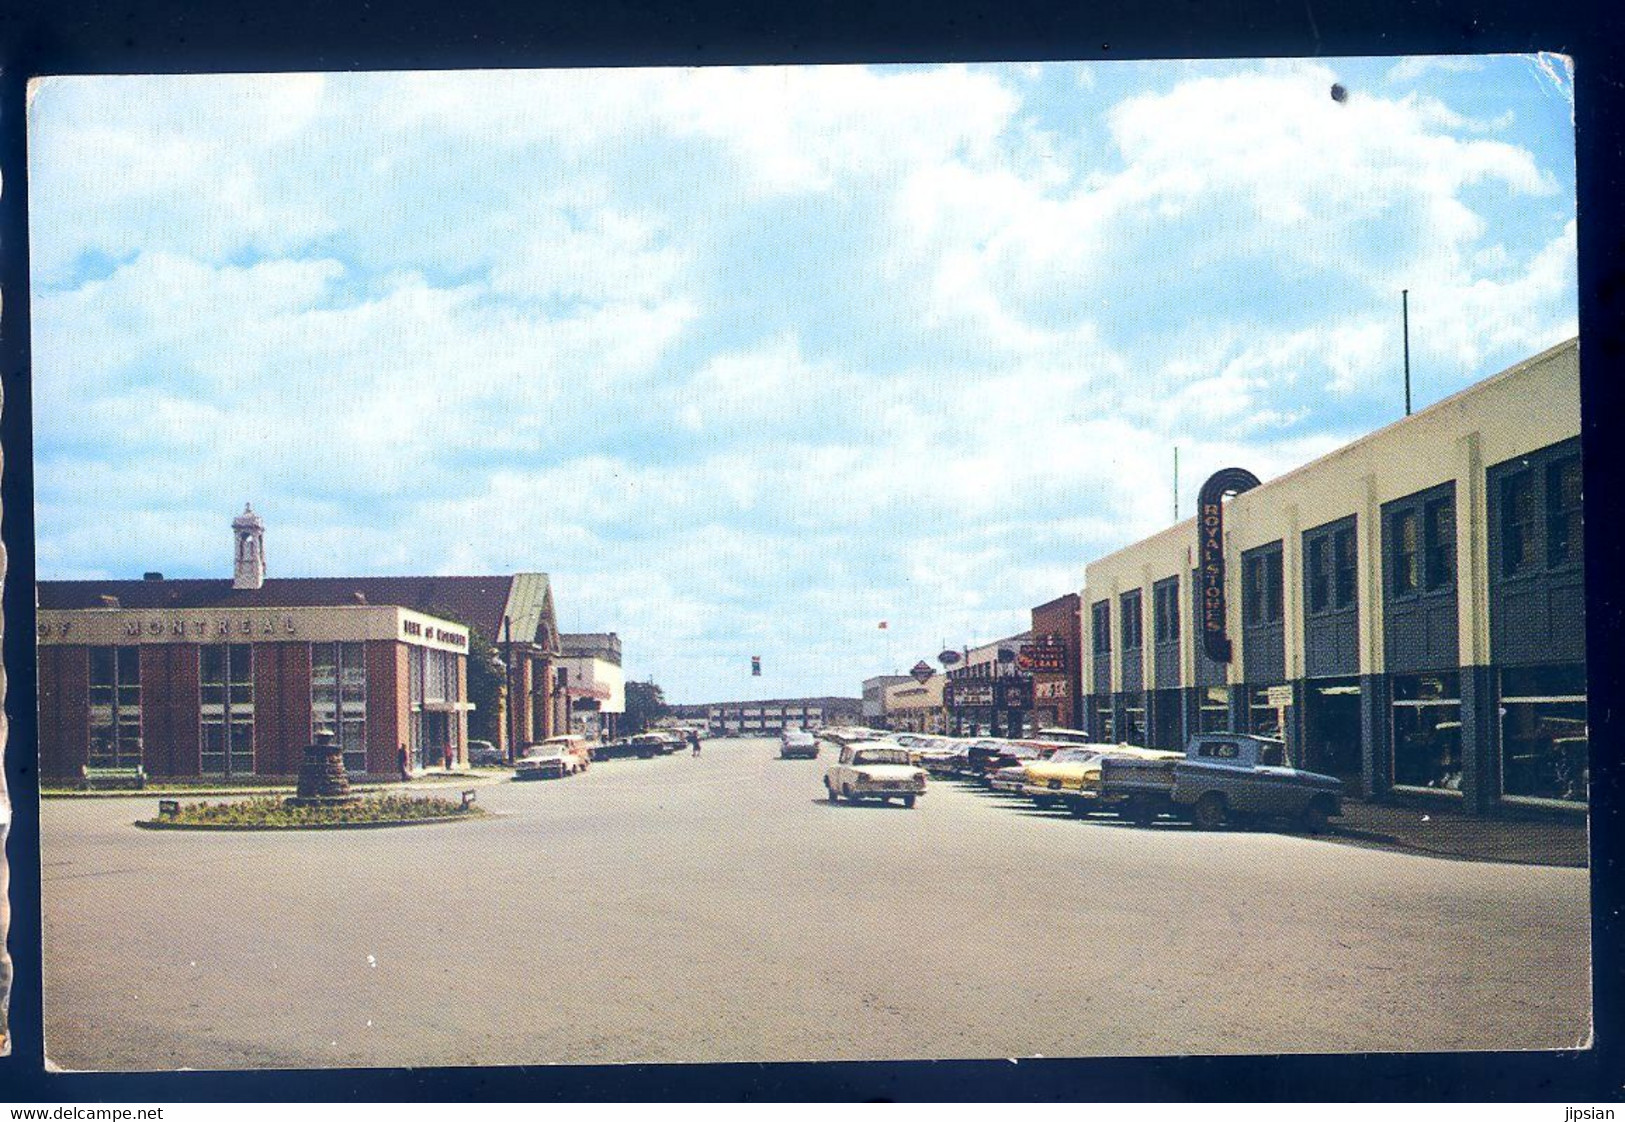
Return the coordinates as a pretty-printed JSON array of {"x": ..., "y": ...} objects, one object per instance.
[{"x": 1220, "y": 775}]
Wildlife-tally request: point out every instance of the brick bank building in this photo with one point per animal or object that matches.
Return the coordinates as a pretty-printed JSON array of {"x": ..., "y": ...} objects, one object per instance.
[{"x": 234, "y": 677}]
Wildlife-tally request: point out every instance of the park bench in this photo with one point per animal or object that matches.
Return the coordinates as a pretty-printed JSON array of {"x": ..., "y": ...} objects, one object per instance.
[{"x": 133, "y": 776}]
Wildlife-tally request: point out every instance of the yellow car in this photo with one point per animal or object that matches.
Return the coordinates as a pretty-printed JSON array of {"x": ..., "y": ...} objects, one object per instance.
[{"x": 1072, "y": 775}]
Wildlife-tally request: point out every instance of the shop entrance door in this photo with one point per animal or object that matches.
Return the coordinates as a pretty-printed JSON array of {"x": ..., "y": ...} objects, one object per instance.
[
  {"x": 436, "y": 735},
  {"x": 1331, "y": 723}
]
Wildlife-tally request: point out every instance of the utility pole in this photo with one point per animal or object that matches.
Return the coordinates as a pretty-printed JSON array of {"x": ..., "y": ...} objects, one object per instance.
[
  {"x": 1405, "y": 313},
  {"x": 1176, "y": 483}
]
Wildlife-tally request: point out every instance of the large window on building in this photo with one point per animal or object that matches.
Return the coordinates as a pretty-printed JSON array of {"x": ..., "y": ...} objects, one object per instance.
[
  {"x": 1404, "y": 539},
  {"x": 1100, "y": 630},
  {"x": 1344, "y": 568},
  {"x": 1519, "y": 523},
  {"x": 226, "y": 708},
  {"x": 115, "y": 706},
  {"x": 1427, "y": 731},
  {"x": 1317, "y": 561},
  {"x": 338, "y": 697},
  {"x": 1544, "y": 737},
  {"x": 1261, "y": 599},
  {"x": 1165, "y": 608},
  {"x": 1329, "y": 569},
  {"x": 1565, "y": 539},
  {"x": 1133, "y": 621},
  {"x": 1439, "y": 544},
  {"x": 1102, "y": 719}
]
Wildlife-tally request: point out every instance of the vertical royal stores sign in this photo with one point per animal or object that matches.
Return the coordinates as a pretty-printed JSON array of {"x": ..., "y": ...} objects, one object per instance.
[{"x": 1210, "y": 554}]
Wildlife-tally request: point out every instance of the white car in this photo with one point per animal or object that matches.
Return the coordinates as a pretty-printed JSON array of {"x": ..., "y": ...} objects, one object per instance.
[
  {"x": 797, "y": 742},
  {"x": 874, "y": 769}
]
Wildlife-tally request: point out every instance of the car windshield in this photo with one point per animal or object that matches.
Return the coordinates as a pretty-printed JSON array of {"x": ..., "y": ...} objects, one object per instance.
[
  {"x": 1073, "y": 755},
  {"x": 881, "y": 756}
]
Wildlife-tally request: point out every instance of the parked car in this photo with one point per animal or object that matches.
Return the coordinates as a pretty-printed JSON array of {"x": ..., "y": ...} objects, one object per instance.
[
  {"x": 482, "y": 753},
  {"x": 798, "y": 743},
  {"x": 545, "y": 761},
  {"x": 646, "y": 745},
  {"x": 575, "y": 745},
  {"x": 988, "y": 756},
  {"x": 947, "y": 757},
  {"x": 1062, "y": 777},
  {"x": 874, "y": 769},
  {"x": 1219, "y": 776}
]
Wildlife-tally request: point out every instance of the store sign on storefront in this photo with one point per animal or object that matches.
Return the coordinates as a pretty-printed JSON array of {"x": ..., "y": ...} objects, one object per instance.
[
  {"x": 922, "y": 672},
  {"x": 1280, "y": 697},
  {"x": 1050, "y": 691},
  {"x": 1045, "y": 658},
  {"x": 1210, "y": 551},
  {"x": 964, "y": 694}
]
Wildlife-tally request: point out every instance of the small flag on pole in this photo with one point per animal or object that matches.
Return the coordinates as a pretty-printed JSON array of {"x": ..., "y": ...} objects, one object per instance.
[{"x": 882, "y": 625}]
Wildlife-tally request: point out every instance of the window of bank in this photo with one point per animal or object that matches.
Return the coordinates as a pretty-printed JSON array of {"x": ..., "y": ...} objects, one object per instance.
[
  {"x": 115, "y": 706},
  {"x": 1215, "y": 713},
  {"x": 226, "y": 708},
  {"x": 1427, "y": 732},
  {"x": 338, "y": 697},
  {"x": 1544, "y": 738}
]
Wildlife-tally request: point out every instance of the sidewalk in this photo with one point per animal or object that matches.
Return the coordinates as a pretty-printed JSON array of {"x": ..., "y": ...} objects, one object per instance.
[{"x": 1446, "y": 832}]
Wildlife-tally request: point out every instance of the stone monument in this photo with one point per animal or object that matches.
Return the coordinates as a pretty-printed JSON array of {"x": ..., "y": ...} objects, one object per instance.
[{"x": 322, "y": 779}]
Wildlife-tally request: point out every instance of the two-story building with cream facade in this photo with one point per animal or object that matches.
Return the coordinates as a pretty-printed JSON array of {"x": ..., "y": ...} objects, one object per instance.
[
  {"x": 1407, "y": 610},
  {"x": 590, "y": 677}
]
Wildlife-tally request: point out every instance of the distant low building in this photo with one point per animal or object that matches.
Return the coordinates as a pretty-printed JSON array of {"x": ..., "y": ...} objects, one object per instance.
[
  {"x": 914, "y": 706},
  {"x": 764, "y": 718},
  {"x": 874, "y": 697}
]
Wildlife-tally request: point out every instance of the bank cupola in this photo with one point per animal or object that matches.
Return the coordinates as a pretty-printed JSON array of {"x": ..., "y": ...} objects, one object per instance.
[{"x": 249, "y": 531}]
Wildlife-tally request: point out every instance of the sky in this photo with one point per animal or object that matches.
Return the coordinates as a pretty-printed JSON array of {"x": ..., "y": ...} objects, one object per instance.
[{"x": 752, "y": 360}]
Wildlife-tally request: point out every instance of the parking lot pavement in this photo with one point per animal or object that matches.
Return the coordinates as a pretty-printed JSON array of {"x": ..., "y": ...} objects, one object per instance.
[{"x": 719, "y": 909}]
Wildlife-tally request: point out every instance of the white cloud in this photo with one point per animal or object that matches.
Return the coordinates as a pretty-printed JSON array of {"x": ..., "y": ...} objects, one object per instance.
[{"x": 748, "y": 359}]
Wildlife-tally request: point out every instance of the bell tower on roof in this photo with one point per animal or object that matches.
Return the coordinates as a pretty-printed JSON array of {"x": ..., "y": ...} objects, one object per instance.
[{"x": 249, "y": 530}]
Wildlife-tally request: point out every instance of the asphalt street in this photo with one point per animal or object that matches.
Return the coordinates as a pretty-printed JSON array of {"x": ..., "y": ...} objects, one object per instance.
[{"x": 718, "y": 909}]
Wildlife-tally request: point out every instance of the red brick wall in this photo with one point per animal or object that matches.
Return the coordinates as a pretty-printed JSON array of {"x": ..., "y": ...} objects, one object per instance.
[
  {"x": 171, "y": 740},
  {"x": 281, "y": 707},
  {"x": 64, "y": 710},
  {"x": 387, "y": 705},
  {"x": 1060, "y": 617}
]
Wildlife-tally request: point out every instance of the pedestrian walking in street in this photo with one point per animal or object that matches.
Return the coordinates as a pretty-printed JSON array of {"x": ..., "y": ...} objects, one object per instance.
[
  {"x": 404, "y": 762},
  {"x": 694, "y": 741}
]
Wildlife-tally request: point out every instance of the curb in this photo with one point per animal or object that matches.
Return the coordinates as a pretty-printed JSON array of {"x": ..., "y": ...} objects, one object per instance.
[{"x": 239, "y": 828}]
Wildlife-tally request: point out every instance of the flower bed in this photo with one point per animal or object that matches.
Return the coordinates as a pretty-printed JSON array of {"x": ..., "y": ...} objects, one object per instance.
[{"x": 277, "y": 814}]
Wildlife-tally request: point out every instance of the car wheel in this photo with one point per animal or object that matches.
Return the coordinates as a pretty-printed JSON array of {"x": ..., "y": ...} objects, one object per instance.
[
  {"x": 851, "y": 796},
  {"x": 1210, "y": 811},
  {"x": 908, "y": 801},
  {"x": 1043, "y": 802},
  {"x": 830, "y": 790},
  {"x": 1077, "y": 808},
  {"x": 1314, "y": 817}
]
